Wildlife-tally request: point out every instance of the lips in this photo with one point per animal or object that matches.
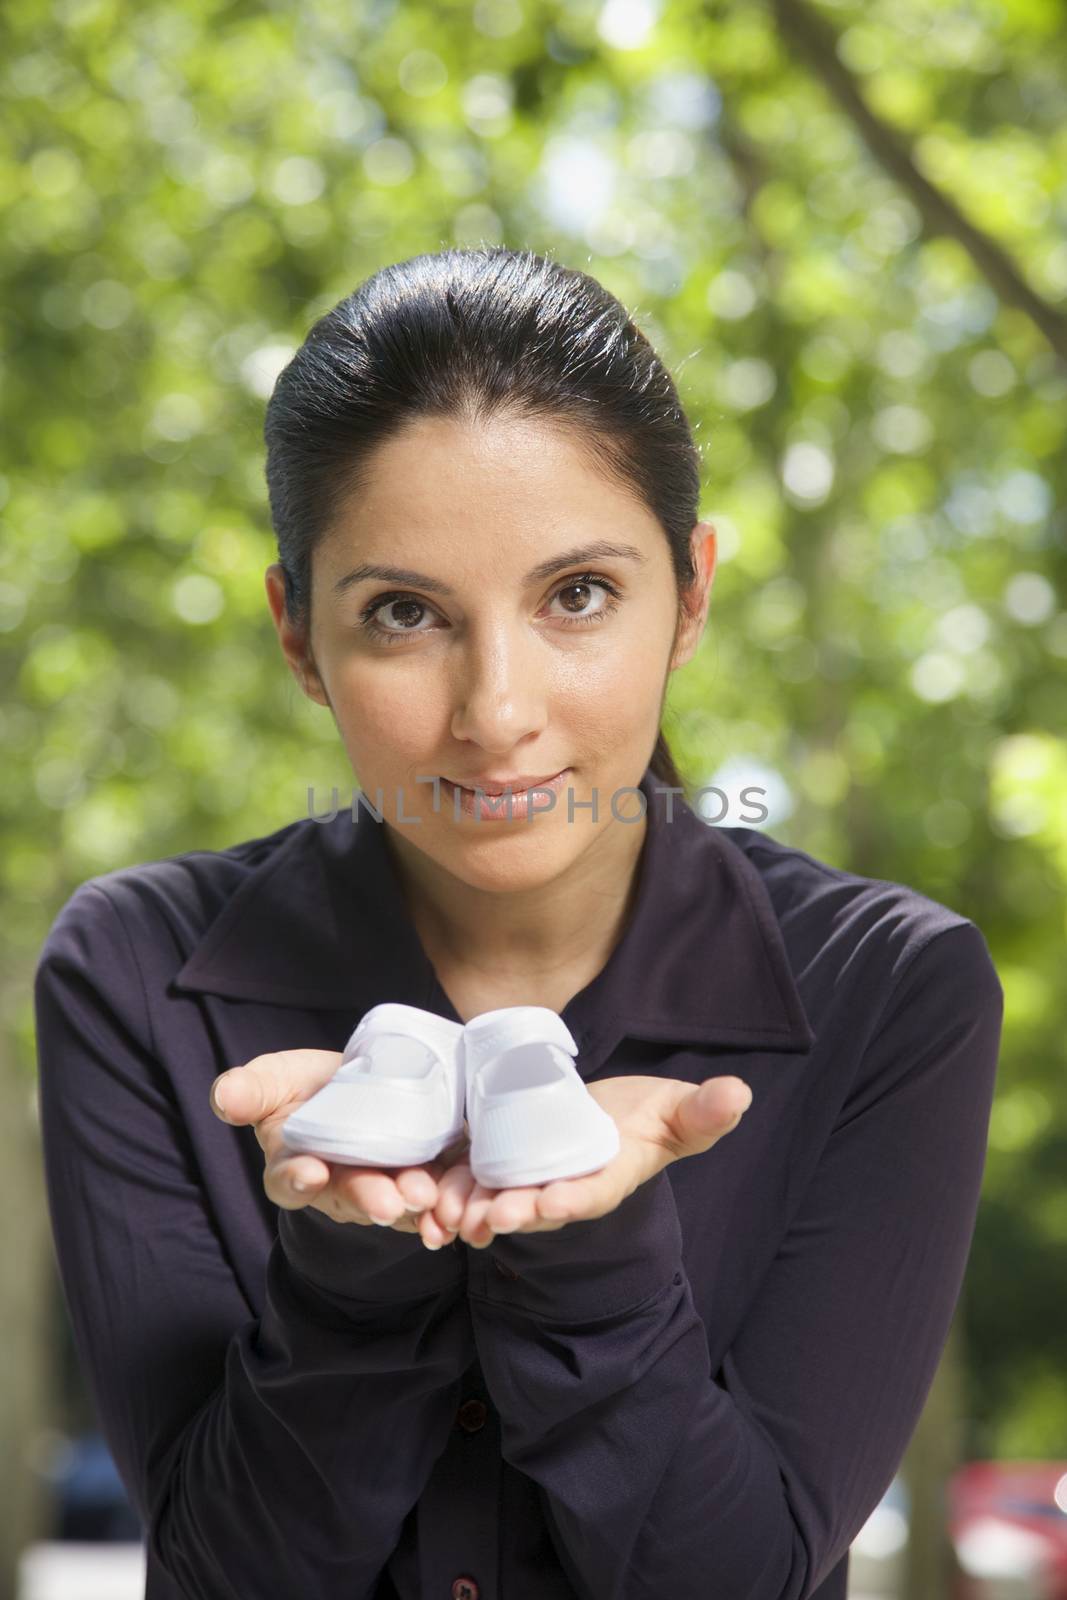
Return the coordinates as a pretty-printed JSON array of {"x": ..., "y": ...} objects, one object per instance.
[
  {"x": 499, "y": 786},
  {"x": 494, "y": 802}
]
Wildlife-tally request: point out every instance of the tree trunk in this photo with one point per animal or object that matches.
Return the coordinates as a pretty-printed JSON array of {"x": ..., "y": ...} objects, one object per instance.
[
  {"x": 932, "y": 1457},
  {"x": 27, "y": 1375}
]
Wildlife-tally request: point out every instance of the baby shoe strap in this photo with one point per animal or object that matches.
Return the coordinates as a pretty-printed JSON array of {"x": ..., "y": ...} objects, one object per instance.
[
  {"x": 493, "y": 1032},
  {"x": 393, "y": 1020}
]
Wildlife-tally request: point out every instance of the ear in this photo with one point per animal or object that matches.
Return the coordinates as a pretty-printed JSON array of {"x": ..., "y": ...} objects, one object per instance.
[
  {"x": 704, "y": 549},
  {"x": 293, "y": 640}
]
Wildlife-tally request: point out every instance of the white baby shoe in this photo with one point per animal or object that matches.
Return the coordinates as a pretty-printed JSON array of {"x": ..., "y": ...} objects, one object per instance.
[
  {"x": 396, "y": 1100},
  {"x": 531, "y": 1116}
]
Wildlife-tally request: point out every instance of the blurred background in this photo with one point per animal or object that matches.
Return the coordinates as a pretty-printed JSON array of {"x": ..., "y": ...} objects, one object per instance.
[{"x": 844, "y": 227}]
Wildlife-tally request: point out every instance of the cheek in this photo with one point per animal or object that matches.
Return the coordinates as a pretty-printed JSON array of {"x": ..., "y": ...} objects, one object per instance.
[
  {"x": 381, "y": 710},
  {"x": 615, "y": 687}
]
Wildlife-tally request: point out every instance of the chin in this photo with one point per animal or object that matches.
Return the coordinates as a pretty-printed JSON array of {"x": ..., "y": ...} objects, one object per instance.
[{"x": 507, "y": 860}]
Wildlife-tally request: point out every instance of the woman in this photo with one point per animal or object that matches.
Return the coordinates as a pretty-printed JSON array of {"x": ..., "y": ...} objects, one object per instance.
[{"x": 691, "y": 1373}]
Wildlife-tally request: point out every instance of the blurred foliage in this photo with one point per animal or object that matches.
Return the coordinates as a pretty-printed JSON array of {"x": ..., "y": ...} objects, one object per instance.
[{"x": 185, "y": 187}]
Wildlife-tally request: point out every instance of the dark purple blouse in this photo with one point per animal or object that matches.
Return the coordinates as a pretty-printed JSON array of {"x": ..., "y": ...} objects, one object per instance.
[{"x": 703, "y": 1394}]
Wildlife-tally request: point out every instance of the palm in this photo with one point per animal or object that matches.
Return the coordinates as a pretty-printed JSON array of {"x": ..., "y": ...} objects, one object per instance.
[
  {"x": 285, "y": 1080},
  {"x": 660, "y": 1120}
]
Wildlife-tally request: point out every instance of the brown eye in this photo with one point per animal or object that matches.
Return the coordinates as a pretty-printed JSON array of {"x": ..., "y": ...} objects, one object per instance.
[
  {"x": 403, "y": 614},
  {"x": 572, "y": 589},
  {"x": 408, "y": 610},
  {"x": 575, "y": 593}
]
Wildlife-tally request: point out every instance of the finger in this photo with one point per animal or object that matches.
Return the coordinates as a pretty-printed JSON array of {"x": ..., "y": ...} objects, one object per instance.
[
  {"x": 373, "y": 1192},
  {"x": 336, "y": 1202},
  {"x": 473, "y": 1228},
  {"x": 247, "y": 1094},
  {"x": 453, "y": 1192},
  {"x": 572, "y": 1199},
  {"x": 370, "y": 1195},
  {"x": 708, "y": 1114},
  {"x": 514, "y": 1209},
  {"x": 418, "y": 1188},
  {"x": 269, "y": 1082},
  {"x": 432, "y": 1234},
  {"x": 281, "y": 1178}
]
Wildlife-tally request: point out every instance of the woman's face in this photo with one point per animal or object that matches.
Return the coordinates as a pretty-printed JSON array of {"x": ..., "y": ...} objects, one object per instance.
[{"x": 485, "y": 657}]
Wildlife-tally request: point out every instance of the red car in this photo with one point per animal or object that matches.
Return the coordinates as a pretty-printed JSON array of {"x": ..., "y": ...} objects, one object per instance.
[{"x": 1008, "y": 1523}]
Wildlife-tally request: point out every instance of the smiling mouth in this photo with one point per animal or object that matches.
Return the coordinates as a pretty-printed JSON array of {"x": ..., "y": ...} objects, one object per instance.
[{"x": 507, "y": 788}]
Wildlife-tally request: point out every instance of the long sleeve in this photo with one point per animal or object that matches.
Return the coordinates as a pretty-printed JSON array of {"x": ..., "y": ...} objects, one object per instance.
[
  {"x": 266, "y": 1454},
  {"x": 751, "y": 1483}
]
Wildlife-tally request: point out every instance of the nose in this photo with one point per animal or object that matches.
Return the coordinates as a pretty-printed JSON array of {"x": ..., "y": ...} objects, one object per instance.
[{"x": 500, "y": 693}]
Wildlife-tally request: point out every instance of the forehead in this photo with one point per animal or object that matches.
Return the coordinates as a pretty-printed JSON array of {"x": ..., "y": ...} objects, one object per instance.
[
  {"x": 514, "y": 487},
  {"x": 506, "y": 455}
]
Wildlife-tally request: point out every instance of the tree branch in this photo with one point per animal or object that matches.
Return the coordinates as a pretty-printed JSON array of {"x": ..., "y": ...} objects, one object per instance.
[{"x": 814, "y": 39}]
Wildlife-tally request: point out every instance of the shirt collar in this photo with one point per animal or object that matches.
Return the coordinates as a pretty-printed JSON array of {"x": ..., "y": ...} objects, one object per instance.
[{"x": 321, "y": 922}]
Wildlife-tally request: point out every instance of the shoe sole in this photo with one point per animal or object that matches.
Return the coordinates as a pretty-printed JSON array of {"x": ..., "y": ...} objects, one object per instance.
[
  {"x": 574, "y": 1163},
  {"x": 370, "y": 1152}
]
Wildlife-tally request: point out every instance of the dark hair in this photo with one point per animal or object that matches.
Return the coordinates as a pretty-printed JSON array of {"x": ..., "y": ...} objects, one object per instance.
[{"x": 472, "y": 333}]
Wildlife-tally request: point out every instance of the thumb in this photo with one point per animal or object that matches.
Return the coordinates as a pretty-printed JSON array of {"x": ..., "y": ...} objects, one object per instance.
[
  {"x": 246, "y": 1094},
  {"x": 705, "y": 1116},
  {"x": 271, "y": 1083}
]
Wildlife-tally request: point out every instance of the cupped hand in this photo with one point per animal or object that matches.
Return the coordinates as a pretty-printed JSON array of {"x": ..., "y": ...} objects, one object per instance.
[
  {"x": 267, "y": 1089},
  {"x": 660, "y": 1120}
]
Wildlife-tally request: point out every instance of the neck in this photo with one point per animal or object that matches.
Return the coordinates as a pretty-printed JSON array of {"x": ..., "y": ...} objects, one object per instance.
[{"x": 575, "y": 919}]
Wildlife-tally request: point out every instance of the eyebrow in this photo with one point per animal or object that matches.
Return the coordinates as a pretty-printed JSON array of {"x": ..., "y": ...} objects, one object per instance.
[{"x": 581, "y": 555}]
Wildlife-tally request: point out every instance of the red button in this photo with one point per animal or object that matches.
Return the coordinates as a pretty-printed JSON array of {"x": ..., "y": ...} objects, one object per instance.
[
  {"x": 504, "y": 1270},
  {"x": 471, "y": 1416},
  {"x": 464, "y": 1589}
]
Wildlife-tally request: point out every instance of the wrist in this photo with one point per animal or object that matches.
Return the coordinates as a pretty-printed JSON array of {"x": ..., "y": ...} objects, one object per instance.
[
  {"x": 596, "y": 1266},
  {"x": 365, "y": 1263}
]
